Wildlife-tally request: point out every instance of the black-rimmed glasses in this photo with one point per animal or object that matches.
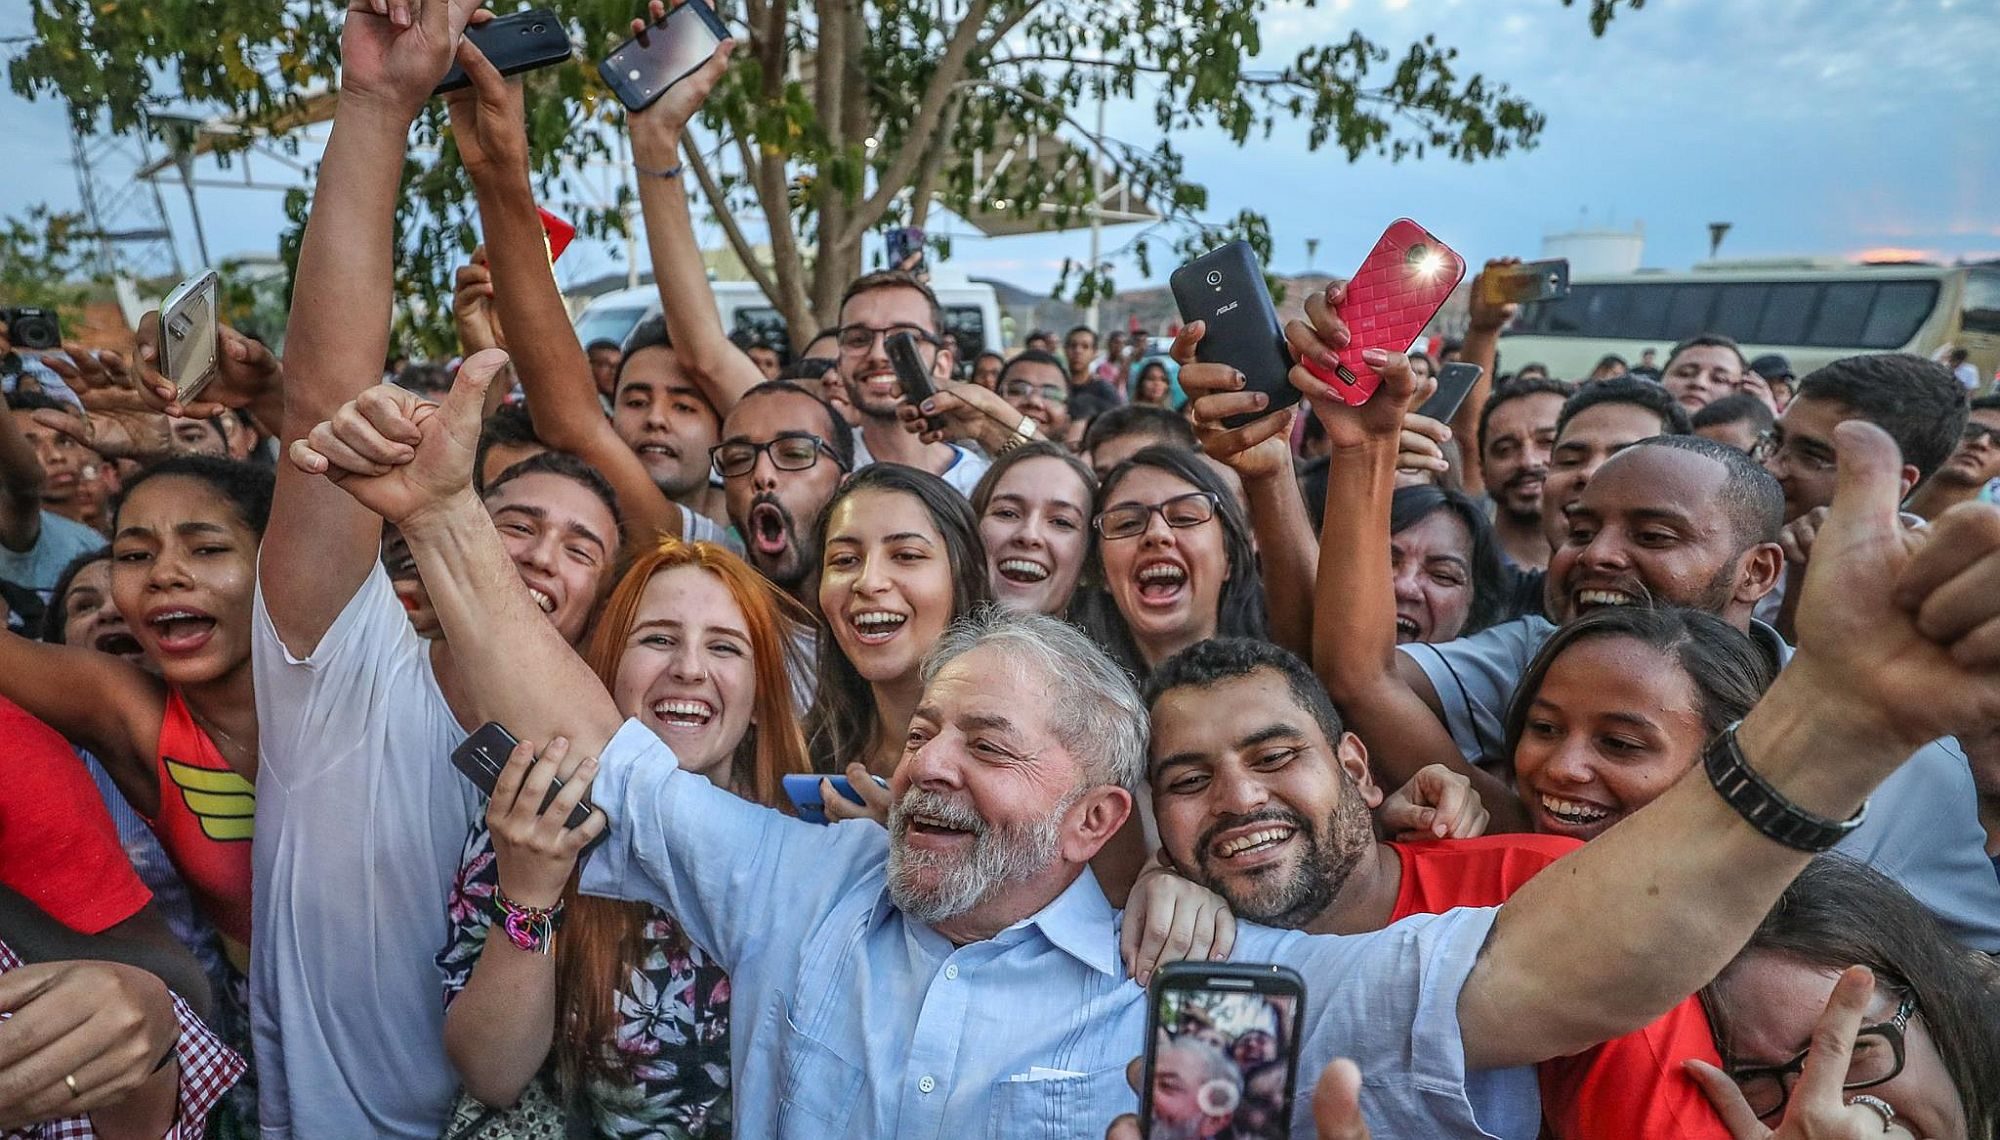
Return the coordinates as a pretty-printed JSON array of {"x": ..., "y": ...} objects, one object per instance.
[
  {"x": 861, "y": 338},
  {"x": 1877, "y": 1059},
  {"x": 1129, "y": 520},
  {"x": 794, "y": 452}
]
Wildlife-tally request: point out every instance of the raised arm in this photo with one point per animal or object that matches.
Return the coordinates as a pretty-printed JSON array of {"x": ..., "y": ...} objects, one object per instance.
[
  {"x": 1481, "y": 347},
  {"x": 1895, "y": 649},
  {"x": 487, "y": 123},
  {"x": 1354, "y": 592},
  {"x": 21, "y": 479},
  {"x": 1260, "y": 452},
  {"x": 722, "y": 371},
  {"x": 321, "y": 544}
]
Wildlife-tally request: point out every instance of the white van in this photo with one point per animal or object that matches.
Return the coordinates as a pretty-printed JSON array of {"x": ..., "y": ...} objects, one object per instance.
[{"x": 971, "y": 311}]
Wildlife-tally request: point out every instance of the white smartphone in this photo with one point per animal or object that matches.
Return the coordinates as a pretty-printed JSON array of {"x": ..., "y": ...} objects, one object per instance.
[{"x": 189, "y": 338}]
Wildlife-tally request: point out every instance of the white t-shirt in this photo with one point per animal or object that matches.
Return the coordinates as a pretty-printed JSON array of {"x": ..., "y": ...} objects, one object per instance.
[
  {"x": 966, "y": 465},
  {"x": 698, "y": 527},
  {"x": 360, "y": 822}
]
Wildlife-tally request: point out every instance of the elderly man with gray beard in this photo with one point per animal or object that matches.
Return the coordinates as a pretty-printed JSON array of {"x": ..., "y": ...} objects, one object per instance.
[{"x": 959, "y": 973}]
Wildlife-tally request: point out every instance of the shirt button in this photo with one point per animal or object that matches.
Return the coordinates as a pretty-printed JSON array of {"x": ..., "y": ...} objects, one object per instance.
[
  {"x": 926, "y": 1084},
  {"x": 951, "y": 972}
]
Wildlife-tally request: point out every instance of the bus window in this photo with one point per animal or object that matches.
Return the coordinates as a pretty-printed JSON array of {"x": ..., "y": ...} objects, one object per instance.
[
  {"x": 1645, "y": 313},
  {"x": 764, "y": 326},
  {"x": 613, "y": 325},
  {"x": 1901, "y": 308},
  {"x": 1982, "y": 302},
  {"x": 1786, "y": 313},
  {"x": 1842, "y": 313},
  {"x": 1738, "y": 308},
  {"x": 1687, "y": 312}
]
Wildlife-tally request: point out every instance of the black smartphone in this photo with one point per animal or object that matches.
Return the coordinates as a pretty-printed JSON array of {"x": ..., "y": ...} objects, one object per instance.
[
  {"x": 1455, "y": 382},
  {"x": 1222, "y": 1050},
  {"x": 1529, "y": 281},
  {"x": 524, "y": 41},
  {"x": 485, "y": 752},
  {"x": 642, "y": 68},
  {"x": 911, "y": 375},
  {"x": 1225, "y": 288}
]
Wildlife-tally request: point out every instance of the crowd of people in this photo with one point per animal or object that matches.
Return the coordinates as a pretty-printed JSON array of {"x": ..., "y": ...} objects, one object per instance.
[{"x": 1619, "y": 759}]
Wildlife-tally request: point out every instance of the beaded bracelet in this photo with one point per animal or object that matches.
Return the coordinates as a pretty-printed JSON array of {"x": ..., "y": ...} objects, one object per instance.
[{"x": 532, "y": 928}]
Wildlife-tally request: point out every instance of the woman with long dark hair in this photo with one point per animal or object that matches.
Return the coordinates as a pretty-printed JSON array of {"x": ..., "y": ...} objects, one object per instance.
[
  {"x": 1449, "y": 579},
  {"x": 628, "y": 1025},
  {"x": 899, "y": 560},
  {"x": 1174, "y": 550}
]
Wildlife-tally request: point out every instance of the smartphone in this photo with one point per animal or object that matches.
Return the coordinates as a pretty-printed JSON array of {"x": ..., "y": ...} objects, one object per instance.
[
  {"x": 1225, "y": 288},
  {"x": 911, "y": 375},
  {"x": 1454, "y": 384},
  {"x": 903, "y": 241},
  {"x": 485, "y": 752},
  {"x": 1222, "y": 1050},
  {"x": 642, "y": 68},
  {"x": 524, "y": 41},
  {"x": 189, "y": 336},
  {"x": 1398, "y": 289},
  {"x": 803, "y": 791},
  {"x": 1528, "y": 281}
]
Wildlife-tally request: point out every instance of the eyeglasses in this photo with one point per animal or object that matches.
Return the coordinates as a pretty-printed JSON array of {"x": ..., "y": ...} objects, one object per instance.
[
  {"x": 1980, "y": 433},
  {"x": 791, "y": 452},
  {"x": 1769, "y": 446},
  {"x": 1877, "y": 1060},
  {"x": 861, "y": 338},
  {"x": 1180, "y": 512},
  {"x": 1028, "y": 390}
]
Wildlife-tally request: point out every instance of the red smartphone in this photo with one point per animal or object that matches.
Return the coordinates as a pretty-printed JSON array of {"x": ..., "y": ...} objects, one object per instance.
[
  {"x": 556, "y": 232},
  {"x": 1395, "y": 293}
]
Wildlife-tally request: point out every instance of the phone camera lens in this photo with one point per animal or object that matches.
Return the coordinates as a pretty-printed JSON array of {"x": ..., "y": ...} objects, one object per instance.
[
  {"x": 1215, "y": 277},
  {"x": 179, "y": 327},
  {"x": 1416, "y": 253},
  {"x": 538, "y": 29}
]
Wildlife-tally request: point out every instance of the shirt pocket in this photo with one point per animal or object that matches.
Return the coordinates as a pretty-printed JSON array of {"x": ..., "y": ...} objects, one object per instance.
[
  {"x": 1059, "y": 1108},
  {"x": 818, "y": 1087}
]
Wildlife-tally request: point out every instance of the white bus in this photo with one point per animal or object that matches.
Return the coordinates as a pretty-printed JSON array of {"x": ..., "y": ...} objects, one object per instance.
[
  {"x": 1812, "y": 314},
  {"x": 971, "y": 311}
]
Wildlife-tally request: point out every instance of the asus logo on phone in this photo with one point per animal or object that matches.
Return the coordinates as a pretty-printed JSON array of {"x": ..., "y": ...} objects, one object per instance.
[{"x": 1230, "y": 307}]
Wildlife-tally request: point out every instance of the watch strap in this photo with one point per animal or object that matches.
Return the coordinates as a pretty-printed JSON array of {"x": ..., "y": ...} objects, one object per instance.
[{"x": 1766, "y": 808}]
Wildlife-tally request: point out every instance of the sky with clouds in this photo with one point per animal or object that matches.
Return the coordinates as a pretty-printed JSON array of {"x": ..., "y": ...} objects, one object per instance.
[{"x": 1815, "y": 127}]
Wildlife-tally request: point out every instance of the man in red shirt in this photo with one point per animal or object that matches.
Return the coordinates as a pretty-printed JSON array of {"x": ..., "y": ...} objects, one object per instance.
[{"x": 1263, "y": 798}]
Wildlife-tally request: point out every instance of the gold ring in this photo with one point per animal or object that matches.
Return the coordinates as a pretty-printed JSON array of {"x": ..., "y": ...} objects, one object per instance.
[{"x": 71, "y": 1082}]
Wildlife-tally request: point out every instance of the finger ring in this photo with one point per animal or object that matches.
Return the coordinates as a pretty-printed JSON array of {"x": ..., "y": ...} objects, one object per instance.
[
  {"x": 71, "y": 1082},
  {"x": 1879, "y": 1105}
]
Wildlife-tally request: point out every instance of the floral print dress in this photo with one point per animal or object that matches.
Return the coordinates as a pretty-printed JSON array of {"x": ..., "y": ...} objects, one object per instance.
[{"x": 674, "y": 1032}]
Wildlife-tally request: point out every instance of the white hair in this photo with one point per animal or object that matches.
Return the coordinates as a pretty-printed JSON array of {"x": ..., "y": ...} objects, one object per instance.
[{"x": 1093, "y": 703}]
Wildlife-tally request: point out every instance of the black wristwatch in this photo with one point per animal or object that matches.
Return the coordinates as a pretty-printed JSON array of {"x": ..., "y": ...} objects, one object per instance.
[{"x": 1764, "y": 806}]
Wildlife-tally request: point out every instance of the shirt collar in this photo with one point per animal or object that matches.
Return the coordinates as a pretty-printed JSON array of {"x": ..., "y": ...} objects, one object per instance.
[
  {"x": 1771, "y": 643},
  {"x": 1081, "y": 923}
]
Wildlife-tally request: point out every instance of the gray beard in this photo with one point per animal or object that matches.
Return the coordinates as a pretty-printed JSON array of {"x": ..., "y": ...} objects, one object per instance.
[{"x": 1001, "y": 857}]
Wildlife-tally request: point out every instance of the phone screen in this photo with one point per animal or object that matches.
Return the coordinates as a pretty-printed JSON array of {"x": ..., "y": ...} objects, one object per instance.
[
  {"x": 1222, "y": 1063},
  {"x": 675, "y": 46}
]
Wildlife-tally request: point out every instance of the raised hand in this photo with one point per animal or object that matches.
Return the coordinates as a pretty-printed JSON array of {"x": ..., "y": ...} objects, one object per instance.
[
  {"x": 1260, "y": 449},
  {"x": 393, "y": 52},
  {"x": 489, "y": 118},
  {"x": 961, "y": 410},
  {"x": 397, "y": 453},
  {"x": 657, "y": 130},
  {"x": 1319, "y": 337},
  {"x": 1169, "y": 918},
  {"x": 472, "y": 306},
  {"x": 1436, "y": 803},
  {"x": 1899, "y": 629},
  {"x": 1483, "y": 317},
  {"x": 246, "y": 374},
  {"x": 874, "y": 798},
  {"x": 116, "y": 424}
]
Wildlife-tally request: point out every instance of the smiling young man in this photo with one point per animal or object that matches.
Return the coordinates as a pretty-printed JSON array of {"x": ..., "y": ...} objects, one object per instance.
[
  {"x": 1517, "y": 429},
  {"x": 874, "y": 308},
  {"x": 1970, "y": 470},
  {"x": 1264, "y": 798},
  {"x": 667, "y": 422}
]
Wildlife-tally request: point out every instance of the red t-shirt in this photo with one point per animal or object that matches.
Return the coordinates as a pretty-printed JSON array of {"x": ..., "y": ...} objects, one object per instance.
[
  {"x": 58, "y": 848},
  {"x": 1629, "y": 1088}
]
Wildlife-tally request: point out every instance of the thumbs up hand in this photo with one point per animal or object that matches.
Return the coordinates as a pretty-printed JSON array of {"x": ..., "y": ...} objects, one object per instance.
[{"x": 397, "y": 453}]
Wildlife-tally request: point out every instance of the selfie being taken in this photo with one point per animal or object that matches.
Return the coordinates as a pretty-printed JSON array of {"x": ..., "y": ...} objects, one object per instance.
[{"x": 684, "y": 570}]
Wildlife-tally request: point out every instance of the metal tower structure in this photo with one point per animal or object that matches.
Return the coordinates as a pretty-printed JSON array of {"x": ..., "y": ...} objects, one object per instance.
[{"x": 126, "y": 214}]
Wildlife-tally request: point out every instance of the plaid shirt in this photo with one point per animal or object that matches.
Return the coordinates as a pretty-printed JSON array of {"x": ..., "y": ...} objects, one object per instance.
[{"x": 208, "y": 1069}]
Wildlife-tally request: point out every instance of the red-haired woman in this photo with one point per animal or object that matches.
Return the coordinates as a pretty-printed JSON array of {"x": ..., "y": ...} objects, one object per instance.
[{"x": 627, "y": 1024}]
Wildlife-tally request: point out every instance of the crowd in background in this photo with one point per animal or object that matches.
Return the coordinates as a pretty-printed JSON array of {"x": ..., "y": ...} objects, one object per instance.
[{"x": 1620, "y": 758}]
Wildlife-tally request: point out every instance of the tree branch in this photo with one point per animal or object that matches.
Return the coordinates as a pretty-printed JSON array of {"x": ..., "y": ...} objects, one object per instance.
[
  {"x": 926, "y": 183},
  {"x": 719, "y": 206}
]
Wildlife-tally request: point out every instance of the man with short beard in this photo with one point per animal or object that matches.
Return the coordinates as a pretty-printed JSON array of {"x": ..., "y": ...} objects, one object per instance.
[
  {"x": 876, "y": 307},
  {"x": 783, "y": 453},
  {"x": 1264, "y": 798},
  {"x": 1516, "y": 430}
]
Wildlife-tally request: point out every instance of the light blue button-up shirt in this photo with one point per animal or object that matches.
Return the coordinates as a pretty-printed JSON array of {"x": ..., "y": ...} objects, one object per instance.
[{"x": 848, "y": 1020}]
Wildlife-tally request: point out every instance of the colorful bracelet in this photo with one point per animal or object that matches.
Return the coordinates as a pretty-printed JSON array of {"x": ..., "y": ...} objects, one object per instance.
[{"x": 532, "y": 928}]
